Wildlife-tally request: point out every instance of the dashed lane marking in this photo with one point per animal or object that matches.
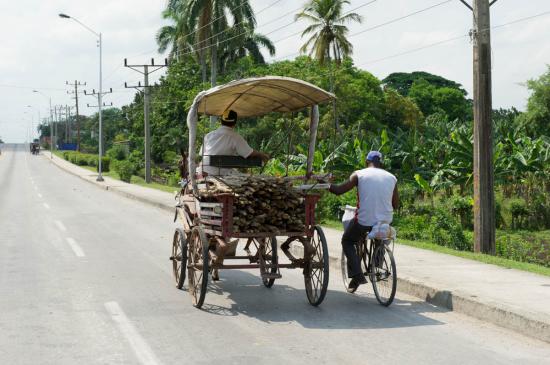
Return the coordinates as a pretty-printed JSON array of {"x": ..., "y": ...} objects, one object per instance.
[
  {"x": 61, "y": 226},
  {"x": 75, "y": 247},
  {"x": 40, "y": 195},
  {"x": 46, "y": 206},
  {"x": 142, "y": 350}
]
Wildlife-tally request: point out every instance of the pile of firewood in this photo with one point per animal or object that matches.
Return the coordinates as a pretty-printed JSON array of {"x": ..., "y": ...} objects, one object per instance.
[{"x": 262, "y": 203}]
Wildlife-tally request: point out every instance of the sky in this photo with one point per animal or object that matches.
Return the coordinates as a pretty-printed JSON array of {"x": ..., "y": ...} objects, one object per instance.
[{"x": 41, "y": 51}]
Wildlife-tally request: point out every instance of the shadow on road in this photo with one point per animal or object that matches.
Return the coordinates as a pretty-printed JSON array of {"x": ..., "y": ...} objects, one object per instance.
[{"x": 244, "y": 294}]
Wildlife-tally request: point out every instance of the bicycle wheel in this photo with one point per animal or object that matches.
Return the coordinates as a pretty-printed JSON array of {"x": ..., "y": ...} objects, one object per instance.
[
  {"x": 362, "y": 253},
  {"x": 316, "y": 271},
  {"x": 271, "y": 258},
  {"x": 383, "y": 274}
]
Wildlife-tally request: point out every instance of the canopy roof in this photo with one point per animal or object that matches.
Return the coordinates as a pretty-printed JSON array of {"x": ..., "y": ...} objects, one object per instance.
[{"x": 261, "y": 95}]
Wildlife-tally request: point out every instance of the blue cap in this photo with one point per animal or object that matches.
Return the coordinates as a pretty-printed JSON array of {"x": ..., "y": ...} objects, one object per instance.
[{"x": 374, "y": 156}]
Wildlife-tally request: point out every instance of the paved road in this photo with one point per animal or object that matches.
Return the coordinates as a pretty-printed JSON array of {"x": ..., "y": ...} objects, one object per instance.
[{"x": 85, "y": 278}]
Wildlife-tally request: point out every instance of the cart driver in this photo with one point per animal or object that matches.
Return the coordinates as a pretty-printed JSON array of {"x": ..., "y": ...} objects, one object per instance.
[
  {"x": 377, "y": 197},
  {"x": 226, "y": 141}
]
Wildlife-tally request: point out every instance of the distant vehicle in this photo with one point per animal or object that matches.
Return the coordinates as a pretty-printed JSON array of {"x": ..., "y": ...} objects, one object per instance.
[{"x": 35, "y": 148}]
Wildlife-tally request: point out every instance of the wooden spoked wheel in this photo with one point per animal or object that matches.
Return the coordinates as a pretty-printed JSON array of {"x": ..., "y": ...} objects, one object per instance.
[
  {"x": 383, "y": 274},
  {"x": 270, "y": 258},
  {"x": 179, "y": 257},
  {"x": 198, "y": 266},
  {"x": 316, "y": 270}
]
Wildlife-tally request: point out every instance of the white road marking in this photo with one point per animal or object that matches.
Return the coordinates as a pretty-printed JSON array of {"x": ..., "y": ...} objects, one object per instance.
[
  {"x": 142, "y": 350},
  {"x": 76, "y": 248},
  {"x": 46, "y": 206},
  {"x": 40, "y": 195},
  {"x": 35, "y": 188},
  {"x": 61, "y": 226}
]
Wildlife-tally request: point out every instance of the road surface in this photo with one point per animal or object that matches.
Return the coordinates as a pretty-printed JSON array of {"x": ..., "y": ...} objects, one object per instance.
[{"x": 85, "y": 279}]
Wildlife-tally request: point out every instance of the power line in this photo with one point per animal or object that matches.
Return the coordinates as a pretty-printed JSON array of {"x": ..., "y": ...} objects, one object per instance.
[
  {"x": 401, "y": 18},
  {"x": 370, "y": 28},
  {"x": 30, "y": 87},
  {"x": 454, "y": 38}
]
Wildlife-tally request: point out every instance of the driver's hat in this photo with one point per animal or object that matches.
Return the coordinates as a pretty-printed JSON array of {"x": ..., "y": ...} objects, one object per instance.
[{"x": 229, "y": 116}]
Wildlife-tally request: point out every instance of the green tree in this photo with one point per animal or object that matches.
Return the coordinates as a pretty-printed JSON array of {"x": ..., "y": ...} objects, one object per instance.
[
  {"x": 327, "y": 31},
  {"x": 403, "y": 81},
  {"x": 537, "y": 116}
]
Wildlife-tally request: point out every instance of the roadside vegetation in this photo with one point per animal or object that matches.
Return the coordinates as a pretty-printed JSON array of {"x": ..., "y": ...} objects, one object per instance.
[{"x": 421, "y": 122}]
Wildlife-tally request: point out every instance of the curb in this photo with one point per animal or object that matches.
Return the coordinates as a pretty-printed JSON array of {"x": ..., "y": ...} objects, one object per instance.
[{"x": 495, "y": 313}]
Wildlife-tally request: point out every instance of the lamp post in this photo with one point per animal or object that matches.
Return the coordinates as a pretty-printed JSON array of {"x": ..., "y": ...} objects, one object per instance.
[
  {"x": 100, "y": 95},
  {"x": 51, "y": 121}
]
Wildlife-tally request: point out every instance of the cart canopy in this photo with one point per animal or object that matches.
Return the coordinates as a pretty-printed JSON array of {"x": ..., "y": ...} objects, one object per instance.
[
  {"x": 262, "y": 95},
  {"x": 256, "y": 97}
]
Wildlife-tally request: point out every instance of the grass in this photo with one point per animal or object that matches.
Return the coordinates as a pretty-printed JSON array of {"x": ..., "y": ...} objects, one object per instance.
[{"x": 487, "y": 259}]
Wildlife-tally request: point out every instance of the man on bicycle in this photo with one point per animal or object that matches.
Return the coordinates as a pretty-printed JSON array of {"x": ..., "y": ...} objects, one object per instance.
[{"x": 377, "y": 197}]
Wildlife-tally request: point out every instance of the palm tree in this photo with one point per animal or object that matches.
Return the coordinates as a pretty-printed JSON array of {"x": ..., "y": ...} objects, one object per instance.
[
  {"x": 240, "y": 41},
  {"x": 173, "y": 36},
  {"x": 327, "y": 30},
  {"x": 207, "y": 18}
]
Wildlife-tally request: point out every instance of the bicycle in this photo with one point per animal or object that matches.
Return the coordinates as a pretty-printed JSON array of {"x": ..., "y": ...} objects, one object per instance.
[{"x": 378, "y": 265}]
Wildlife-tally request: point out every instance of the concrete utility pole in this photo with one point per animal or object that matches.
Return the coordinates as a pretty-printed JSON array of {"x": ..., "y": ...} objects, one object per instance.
[
  {"x": 76, "y": 84},
  {"x": 146, "y": 107},
  {"x": 99, "y": 106},
  {"x": 484, "y": 198}
]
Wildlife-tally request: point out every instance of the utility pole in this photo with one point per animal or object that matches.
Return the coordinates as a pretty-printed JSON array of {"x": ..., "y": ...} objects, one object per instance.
[
  {"x": 99, "y": 107},
  {"x": 146, "y": 106},
  {"x": 484, "y": 198},
  {"x": 76, "y": 84}
]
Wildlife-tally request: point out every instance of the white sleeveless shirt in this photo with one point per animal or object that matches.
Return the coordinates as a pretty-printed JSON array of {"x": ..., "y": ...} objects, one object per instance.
[{"x": 374, "y": 196}]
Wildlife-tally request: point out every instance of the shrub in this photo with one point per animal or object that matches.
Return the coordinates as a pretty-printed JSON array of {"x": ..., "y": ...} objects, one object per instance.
[
  {"x": 117, "y": 152},
  {"x": 520, "y": 213},
  {"x": 446, "y": 230},
  {"x": 81, "y": 159},
  {"x": 170, "y": 157},
  {"x": 125, "y": 169},
  {"x": 330, "y": 206},
  {"x": 462, "y": 208},
  {"x": 105, "y": 164},
  {"x": 173, "y": 179},
  {"x": 412, "y": 227}
]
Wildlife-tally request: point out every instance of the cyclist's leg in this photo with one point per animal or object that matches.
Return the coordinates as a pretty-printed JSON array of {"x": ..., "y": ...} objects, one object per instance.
[{"x": 352, "y": 235}]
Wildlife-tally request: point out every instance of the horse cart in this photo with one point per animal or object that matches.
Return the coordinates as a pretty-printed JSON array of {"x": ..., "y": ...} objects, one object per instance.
[{"x": 233, "y": 221}]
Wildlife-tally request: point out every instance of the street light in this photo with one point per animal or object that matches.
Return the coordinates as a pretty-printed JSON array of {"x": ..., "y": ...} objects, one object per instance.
[
  {"x": 100, "y": 95},
  {"x": 51, "y": 121}
]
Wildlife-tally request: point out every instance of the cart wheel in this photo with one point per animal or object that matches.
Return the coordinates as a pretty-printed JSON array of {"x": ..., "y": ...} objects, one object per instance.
[
  {"x": 179, "y": 257},
  {"x": 316, "y": 272},
  {"x": 271, "y": 258},
  {"x": 383, "y": 275},
  {"x": 198, "y": 266}
]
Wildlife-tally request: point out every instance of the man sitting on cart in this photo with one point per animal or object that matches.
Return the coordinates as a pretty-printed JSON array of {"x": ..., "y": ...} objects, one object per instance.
[
  {"x": 377, "y": 197},
  {"x": 226, "y": 141}
]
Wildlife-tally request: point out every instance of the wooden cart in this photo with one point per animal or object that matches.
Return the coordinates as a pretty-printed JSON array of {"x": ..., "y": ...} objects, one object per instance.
[{"x": 208, "y": 240}]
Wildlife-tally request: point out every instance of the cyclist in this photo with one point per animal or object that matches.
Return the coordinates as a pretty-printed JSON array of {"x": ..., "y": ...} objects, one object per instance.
[{"x": 377, "y": 197}]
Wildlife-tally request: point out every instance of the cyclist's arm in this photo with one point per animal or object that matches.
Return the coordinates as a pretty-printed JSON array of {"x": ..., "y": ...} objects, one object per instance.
[
  {"x": 395, "y": 198},
  {"x": 344, "y": 187}
]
